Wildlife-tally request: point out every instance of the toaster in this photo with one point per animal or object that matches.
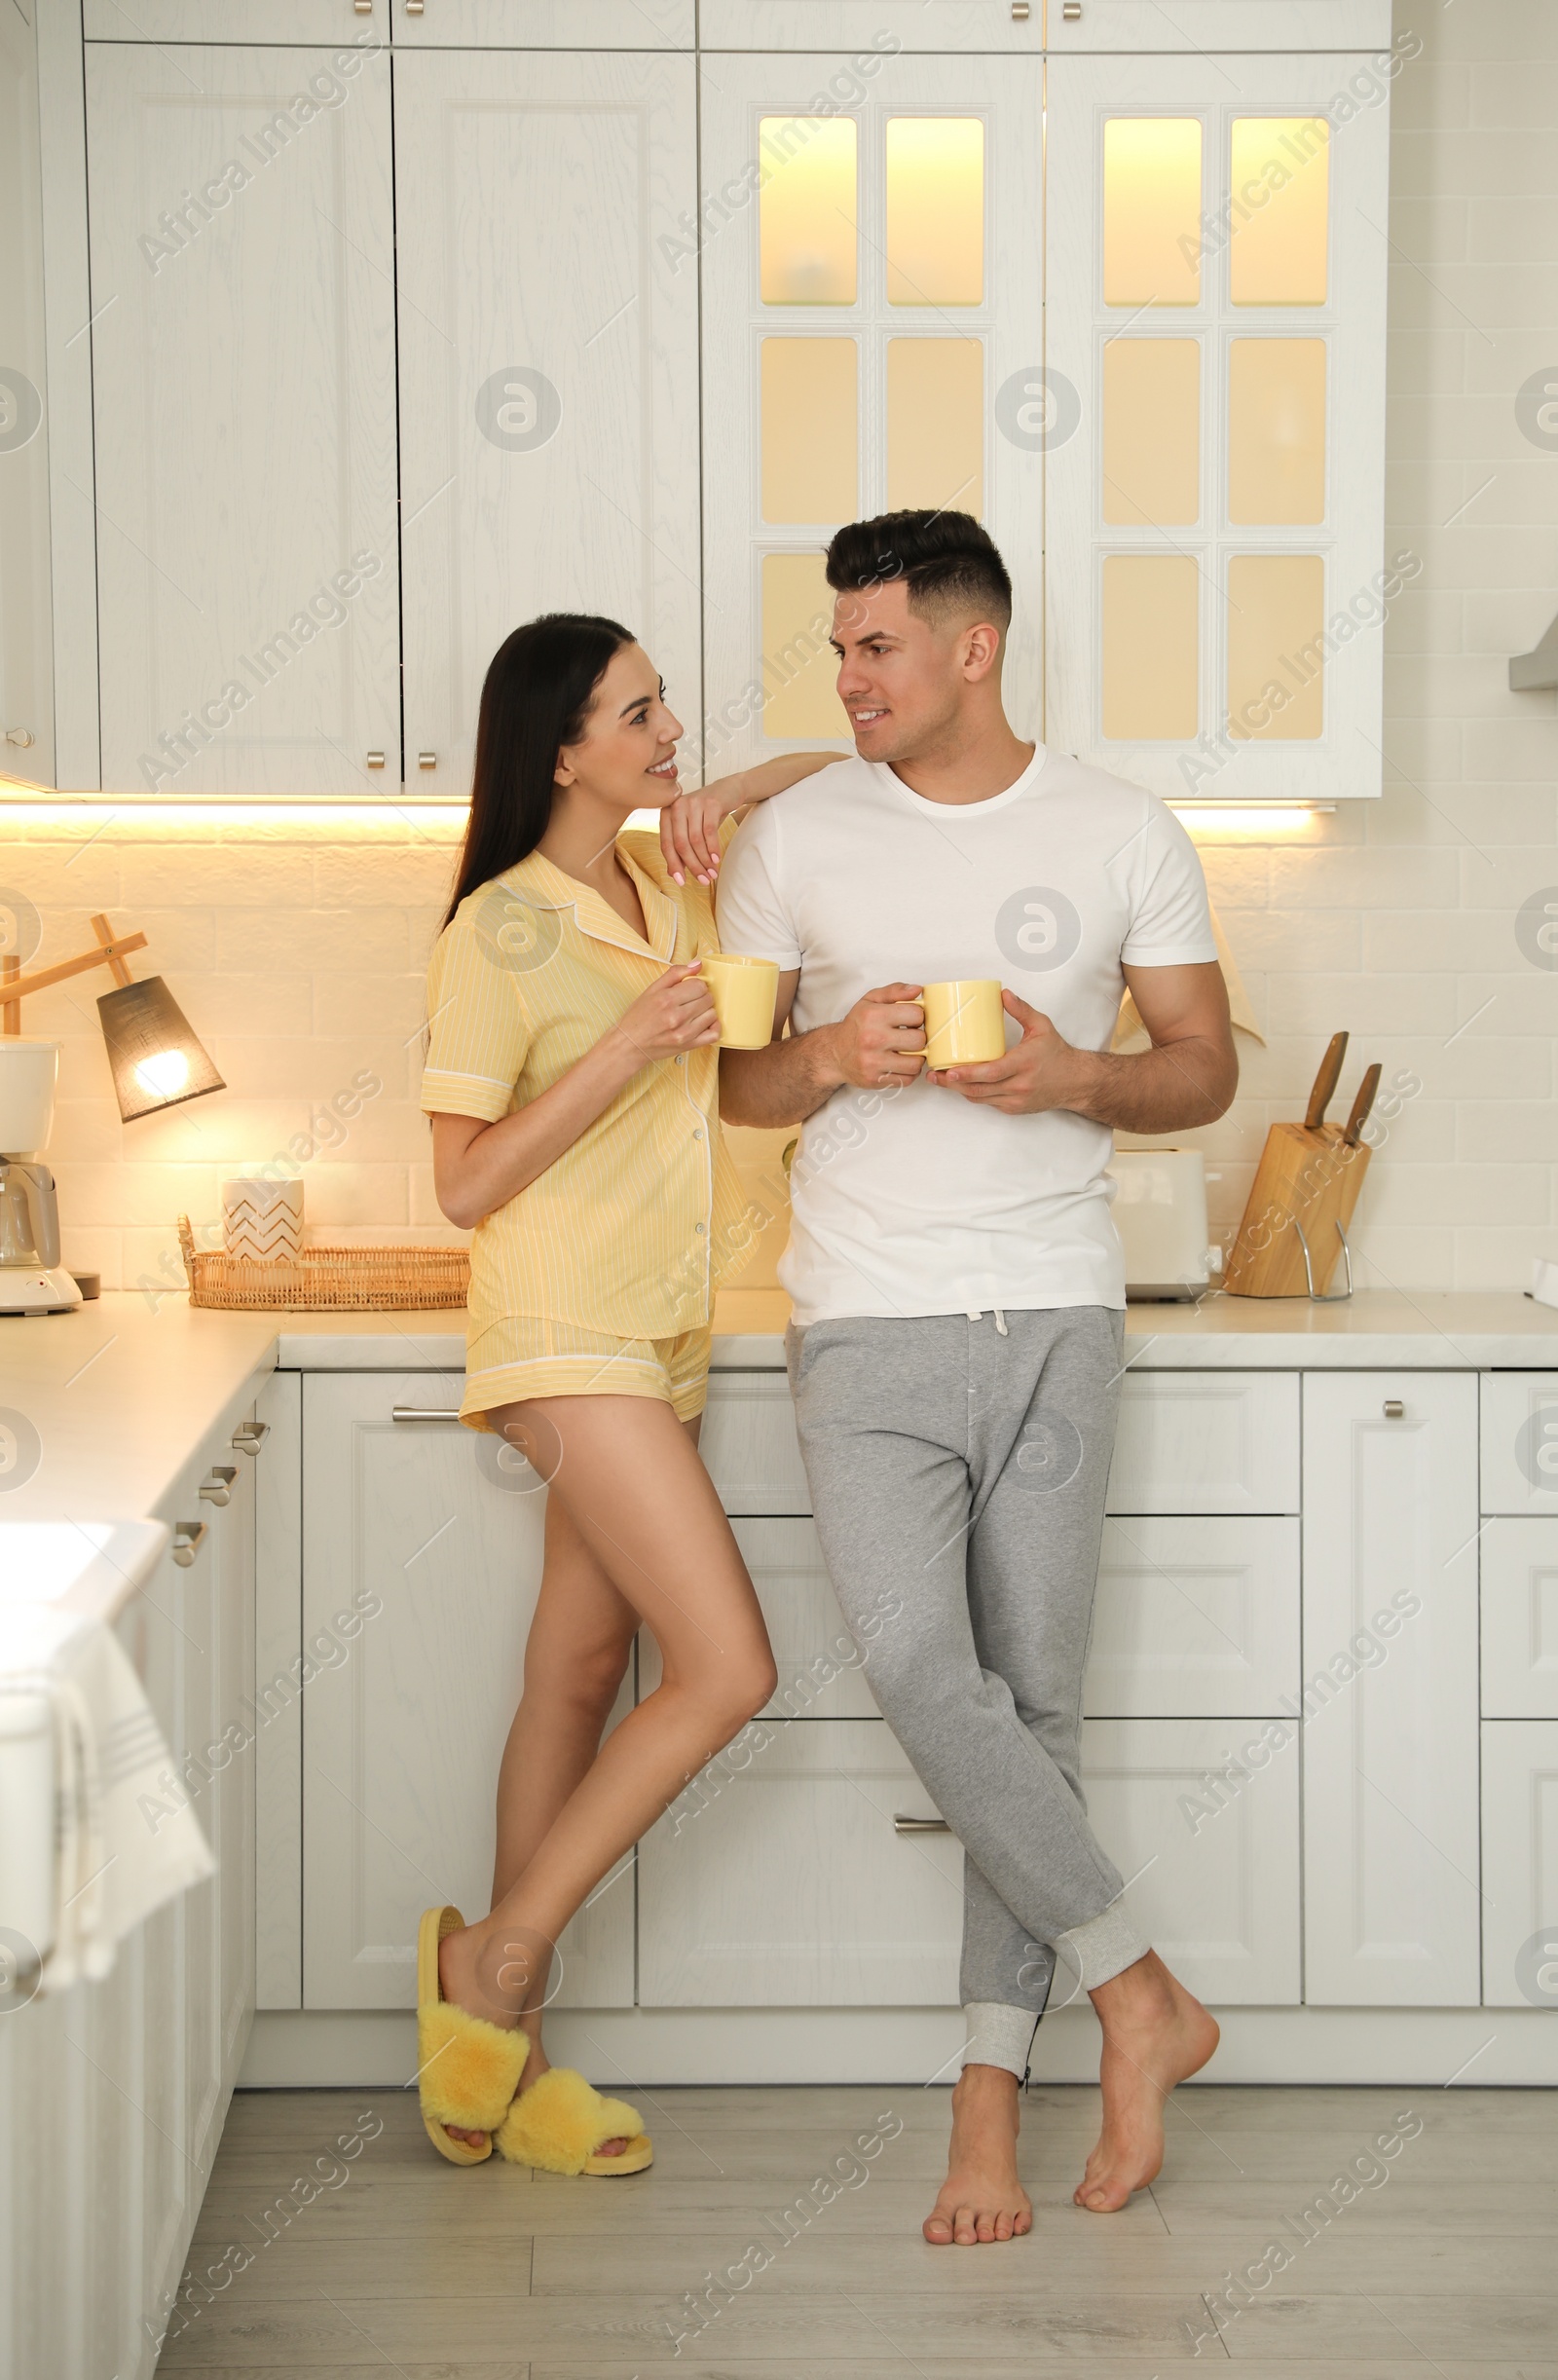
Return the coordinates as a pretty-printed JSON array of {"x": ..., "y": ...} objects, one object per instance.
[{"x": 1160, "y": 1211}]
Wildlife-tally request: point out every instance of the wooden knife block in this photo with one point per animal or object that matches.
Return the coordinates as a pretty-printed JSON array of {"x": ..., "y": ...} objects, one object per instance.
[{"x": 1308, "y": 1177}]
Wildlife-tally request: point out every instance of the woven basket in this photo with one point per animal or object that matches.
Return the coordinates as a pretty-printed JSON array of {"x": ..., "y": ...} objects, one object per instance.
[{"x": 343, "y": 1278}]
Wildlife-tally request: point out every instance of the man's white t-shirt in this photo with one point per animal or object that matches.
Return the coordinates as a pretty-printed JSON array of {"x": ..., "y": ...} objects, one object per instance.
[{"x": 918, "y": 1201}]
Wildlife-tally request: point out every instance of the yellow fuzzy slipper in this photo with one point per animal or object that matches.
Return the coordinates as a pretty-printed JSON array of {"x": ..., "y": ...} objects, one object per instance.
[
  {"x": 560, "y": 2122},
  {"x": 467, "y": 2070}
]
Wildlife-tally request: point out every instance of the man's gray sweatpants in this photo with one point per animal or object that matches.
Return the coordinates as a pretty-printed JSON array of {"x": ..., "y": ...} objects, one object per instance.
[{"x": 958, "y": 1465}]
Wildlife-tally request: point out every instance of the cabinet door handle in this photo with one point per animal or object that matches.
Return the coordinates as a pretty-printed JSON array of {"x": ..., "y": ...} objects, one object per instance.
[
  {"x": 189, "y": 1536},
  {"x": 1394, "y": 1409},
  {"x": 251, "y": 1437},
  {"x": 920, "y": 1826},
  {"x": 425, "y": 1413},
  {"x": 218, "y": 1488}
]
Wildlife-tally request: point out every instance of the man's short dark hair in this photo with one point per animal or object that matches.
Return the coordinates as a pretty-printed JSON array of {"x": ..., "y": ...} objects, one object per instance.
[{"x": 949, "y": 563}]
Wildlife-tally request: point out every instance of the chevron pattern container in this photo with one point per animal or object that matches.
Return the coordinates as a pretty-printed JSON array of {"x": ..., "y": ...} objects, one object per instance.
[{"x": 262, "y": 1220}]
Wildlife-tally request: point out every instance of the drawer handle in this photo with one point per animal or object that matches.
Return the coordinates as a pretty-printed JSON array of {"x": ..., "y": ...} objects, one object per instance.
[
  {"x": 248, "y": 1440},
  {"x": 189, "y": 1536},
  {"x": 425, "y": 1413},
  {"x": 920, "y": 1826},
  {"x": 218, "y": 1488},
  {"x": 1394, "y": 1409}
]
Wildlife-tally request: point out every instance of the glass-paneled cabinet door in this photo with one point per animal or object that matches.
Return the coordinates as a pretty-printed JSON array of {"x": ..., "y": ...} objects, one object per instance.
[
  {"x": 871, "y": 322},
  {"x": 1215, "y": 382}
]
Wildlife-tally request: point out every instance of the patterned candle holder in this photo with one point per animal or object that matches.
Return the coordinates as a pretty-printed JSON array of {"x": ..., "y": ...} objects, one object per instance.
[{"x": 262, "y": 1220}]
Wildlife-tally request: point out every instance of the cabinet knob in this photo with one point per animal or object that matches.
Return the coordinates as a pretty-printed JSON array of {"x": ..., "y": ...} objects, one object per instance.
[
  {"x": 1072, "y": 11},
  {"x": 218, "y": 1488},
  {"x": 375, "y": 760},
  {"x": 250, "y": 1438},
  {"x": 413, "y": 8},
  {"x": 189, "y": 1536},
  {"x": 920, "y": 1826},
  {"x": 23, "y": 736},
  {"x": 364, "y": 8},
  {"x": 1394, "y": 1410},
  {"x": 425, "y": 1413},
  {"x": 1021, "y": 12},
  {"x": 427, "y": 760}
]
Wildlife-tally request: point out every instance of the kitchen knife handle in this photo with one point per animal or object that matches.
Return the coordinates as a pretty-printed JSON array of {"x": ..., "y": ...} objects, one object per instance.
[
  {"x": 1361, "y": 1105},
  {"x": 1325, "y": 1082}
]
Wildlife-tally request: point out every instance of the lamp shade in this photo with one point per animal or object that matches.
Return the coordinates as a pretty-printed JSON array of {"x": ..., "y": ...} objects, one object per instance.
[{"x": 155, "y": 1060}]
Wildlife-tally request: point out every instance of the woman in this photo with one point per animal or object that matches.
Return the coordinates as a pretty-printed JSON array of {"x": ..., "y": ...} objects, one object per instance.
[{"x": 572, "y": 1083}]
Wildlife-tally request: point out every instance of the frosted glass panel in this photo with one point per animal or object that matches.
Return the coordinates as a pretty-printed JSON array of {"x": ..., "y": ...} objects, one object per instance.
[
  {"x": 1152, "y": 430},
  {"x": 935, "y": 210},
  {"x": 935, "y": 424},
  {"x": 800, "y": 667},
  {"x": 1152, "y": 211},
  {"x": 809, "y": 436},
  {"x": 1276, "y": 430},
  {"x": 807, "y": 210},
  {"x": 1280, "y": 183},
  {"x": 1151, "y": 646},
  {"x": 1276, "y": 672}
]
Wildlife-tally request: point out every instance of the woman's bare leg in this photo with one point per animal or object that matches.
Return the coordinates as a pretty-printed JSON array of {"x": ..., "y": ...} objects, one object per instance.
[{"x": 639, "y": 1504}]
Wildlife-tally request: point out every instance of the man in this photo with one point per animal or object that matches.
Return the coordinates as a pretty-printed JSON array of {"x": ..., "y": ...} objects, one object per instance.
[{"x": 958, "y": 1281}]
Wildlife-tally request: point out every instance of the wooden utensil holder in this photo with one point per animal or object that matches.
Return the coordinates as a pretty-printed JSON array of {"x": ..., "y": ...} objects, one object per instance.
[{"x": 1300, "y": 1204}]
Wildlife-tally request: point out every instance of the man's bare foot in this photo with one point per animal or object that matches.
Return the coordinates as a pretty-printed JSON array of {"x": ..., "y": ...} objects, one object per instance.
[
  {"x": 1154, "y": 2033},
  {"x": 982, "y": 2197},
  {"x": 462, "y": 1960}
]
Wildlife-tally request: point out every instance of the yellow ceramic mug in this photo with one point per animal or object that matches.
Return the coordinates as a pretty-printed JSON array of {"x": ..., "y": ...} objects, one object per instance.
[
  {"x": 965, "y": 1023},
  {"x": 743, "y": 991}
]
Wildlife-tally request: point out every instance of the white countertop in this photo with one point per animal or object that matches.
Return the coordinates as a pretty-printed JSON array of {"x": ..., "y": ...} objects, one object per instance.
[{"x": 121, "y": 1396}]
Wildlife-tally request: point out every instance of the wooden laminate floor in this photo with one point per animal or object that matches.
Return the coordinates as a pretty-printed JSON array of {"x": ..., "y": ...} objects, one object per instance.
[{"x": 1447, "y": 2264}]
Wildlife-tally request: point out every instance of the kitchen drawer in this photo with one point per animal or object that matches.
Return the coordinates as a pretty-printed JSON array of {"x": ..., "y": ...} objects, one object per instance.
[
  {"x": 1195, "y": 1619},
  {"x": 1520, "y": 1863},
  {"x": 1520, "y": 1620},
  {"x": 1207, "y": 1442},
  {"x": 1520, "y": 1442},
  {"x": 1214, "y": 1878},
  {"x": 777, "y": 1879},
  {"x": 820, "y": 1673},
  {"x": 749, "y": 1444}
]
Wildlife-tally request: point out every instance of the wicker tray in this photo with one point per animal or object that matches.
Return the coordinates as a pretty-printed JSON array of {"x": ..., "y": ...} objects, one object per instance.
[{"x": 343, "y": 1278}]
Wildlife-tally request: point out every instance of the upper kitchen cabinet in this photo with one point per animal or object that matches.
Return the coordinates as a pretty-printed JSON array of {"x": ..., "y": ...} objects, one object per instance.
[
  {"x": 872, "y": 251},
  {"x": 1211, "y": 406},
  {"x": 958, "y": 27},
  {"x": 543, "y": 24},
  {"x": 549, "y": 386},
  {"x": 321, "y": 23},
  {"x": 27, "y": 688},
  {"x": 242, "y": 304}
]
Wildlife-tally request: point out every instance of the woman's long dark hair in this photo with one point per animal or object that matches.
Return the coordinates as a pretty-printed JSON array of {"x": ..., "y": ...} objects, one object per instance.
[{"x": 535, "y": 699}]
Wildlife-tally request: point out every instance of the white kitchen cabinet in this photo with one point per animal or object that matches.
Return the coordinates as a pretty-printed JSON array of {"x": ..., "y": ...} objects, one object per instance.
[
  {"x": 1520, "y": 1442},
  {"x": 872, "y": 296},
  {"x": 1520, "y": 1619},
  {"x": 1391, "y": 1891},
  {"x": 321, "y": 23},
  {"x": 115, "y": 2090},
  {"x": 1520, "y": 1863},
  {"x": 548, "y": 384},
  {"x": 1212, "y": 411},
  {"x": 545, "y": 24},
  {"x": 1210, "y": 1856},
  {"x": 27, "y": 672},
  {"x": 1206, "y": 1441},
  {"x": 1193, "y": 1619},
  {"x": 749, "y": 1444},
  {"x": 243, "y": 371},
  {"x": 778, "y": 1880},
  {"x": 1199, "y": 25},
  {"x": 405, "y": 1719},
  {"x": 820, "y": 1674}
]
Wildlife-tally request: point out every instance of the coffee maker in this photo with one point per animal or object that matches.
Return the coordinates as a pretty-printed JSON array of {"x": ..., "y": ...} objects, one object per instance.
[{"x": 33, "y": 1280}]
